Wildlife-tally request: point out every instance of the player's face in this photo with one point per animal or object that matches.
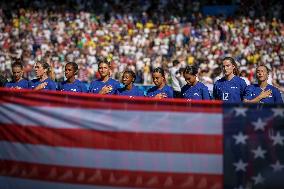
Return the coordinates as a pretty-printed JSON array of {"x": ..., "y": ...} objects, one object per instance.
[
  {"x": 17, "y": 73},
  {"x": 39, "y": 70},
  {"x": 69, "y": 71},
  {"x": 261, "y": 73},
  {"x": 228, "y": 68},
  {"x": 158, "y": 79},
  {"x": 127, "y": 79},
  {"x": 104, "y": 70},
  {"x": 190, "y": 79}
]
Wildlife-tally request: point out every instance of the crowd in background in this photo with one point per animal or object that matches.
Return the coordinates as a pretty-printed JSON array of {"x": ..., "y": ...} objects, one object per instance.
[{"x": 140, "y": 36}]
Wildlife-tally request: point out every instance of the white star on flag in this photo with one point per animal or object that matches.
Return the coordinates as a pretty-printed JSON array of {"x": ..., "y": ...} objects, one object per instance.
[
  {"x": 240, "y": 138},
  {"x": 258, "y": 179},
  {"x": 241, "y": 111},
  {"x": 259, "y": 124},
  {"x": 277, "y": 139},
  {"x": 240, "y": 165},
  {"x": 259, "y": 152},
  {"x": 277, "y": 166},
  {"x": 278, "y": 112}
]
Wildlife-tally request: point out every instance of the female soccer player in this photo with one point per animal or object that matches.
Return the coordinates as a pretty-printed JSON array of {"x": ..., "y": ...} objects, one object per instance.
[
  {"x": 161, "y": 89},
  {"x": 193, "y": 89},
  {"x": 229, "y": 88},
  {"x": 43, "y": 81},
  {"x": 129, "y": 88},
  {"x": 72, "y": 84},
  {"x": 262, "y": 92},
  {"x": 104, "y": 85},
  {"x": 18, "y": 82}
]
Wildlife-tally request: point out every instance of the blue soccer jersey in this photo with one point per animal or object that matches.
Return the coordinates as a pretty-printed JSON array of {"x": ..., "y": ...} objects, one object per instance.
[
  {"x": 51, "y": 85},
  {"x": 231, "y": 91},
  {"x": 135, "y": 91},
  {"x": 153, "y": 91},
  {"x": 23, "y": 84},
  {"x": 76, "y": 86},
  {"x": 97, "y": 85},
  {"x": 252, "y": 91},
  {"x": 196, "y": 92}
]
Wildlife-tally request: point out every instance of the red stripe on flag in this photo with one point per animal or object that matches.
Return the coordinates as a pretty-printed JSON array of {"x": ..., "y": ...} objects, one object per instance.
[
  {"x": 79, "y": 100},
  {"x": 103, "y": 177},
  {"x": 83, "y": 138}
]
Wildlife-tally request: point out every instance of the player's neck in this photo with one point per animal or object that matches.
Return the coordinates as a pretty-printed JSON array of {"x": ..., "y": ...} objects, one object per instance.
[
  {"x": 262, "y": 84},
  {"x": 129, "y": 87},
  {"x": 44, "y": 77},
  {"x": 195, "y": 82},
  {"x": 16, "y": 81},
  {"x": 105, "y": 79},
  {"x": 71, "y": 80},
  {"x": 161, "y": 86},
  {"x": 229, "y": 77}
]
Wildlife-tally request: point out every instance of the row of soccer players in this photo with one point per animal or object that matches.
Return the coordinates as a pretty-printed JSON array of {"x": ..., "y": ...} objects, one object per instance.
[{"x": 230, "y": 88}]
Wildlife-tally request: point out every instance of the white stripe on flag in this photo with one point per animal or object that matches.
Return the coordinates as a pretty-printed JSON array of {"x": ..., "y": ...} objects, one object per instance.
[
  {"x": 110, "y": 159},
  {"x": 113, "y": 120},
  {"x": 17, "y": 183}
]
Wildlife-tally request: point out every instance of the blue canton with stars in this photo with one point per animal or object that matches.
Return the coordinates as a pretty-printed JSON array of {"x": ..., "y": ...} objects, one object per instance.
[{"x": 253, "y": 146}]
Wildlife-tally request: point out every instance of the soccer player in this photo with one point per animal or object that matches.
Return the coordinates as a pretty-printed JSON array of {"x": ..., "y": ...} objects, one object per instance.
[
  {"x": 262, "y": 92},
  {"x": 72, "y": 84},
  {"x": 104, "y": 85},
  {"x": 129, "y": 88},
  {"x": 18, "y": 82},
  {"x": 161, "y": 89},
  {"x": 229, "y": 88},
  {"x": 43, "y": 81},
  {"x": 194, "y": 89}
]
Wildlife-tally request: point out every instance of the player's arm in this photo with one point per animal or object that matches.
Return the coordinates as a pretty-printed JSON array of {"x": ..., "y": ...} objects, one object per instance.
[
  {"x": 205, "y": 94},
  {"x": 262, "y": 95}
]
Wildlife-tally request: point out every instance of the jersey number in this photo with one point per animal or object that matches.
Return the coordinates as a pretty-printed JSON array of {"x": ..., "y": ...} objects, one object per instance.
[{"x": 225, "y": 96}]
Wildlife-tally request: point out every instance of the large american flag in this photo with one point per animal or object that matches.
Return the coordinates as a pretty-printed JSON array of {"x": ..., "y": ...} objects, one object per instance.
[
  {"x": 254, "y": 146},
  {"x": 69, "y": 140}
]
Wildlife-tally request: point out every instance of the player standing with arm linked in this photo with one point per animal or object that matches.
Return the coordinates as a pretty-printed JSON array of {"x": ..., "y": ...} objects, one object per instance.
[{"x": 231, "y": 87}]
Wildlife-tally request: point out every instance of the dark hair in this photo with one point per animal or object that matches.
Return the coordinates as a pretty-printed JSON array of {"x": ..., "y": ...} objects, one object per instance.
[
  {"x": 131, "y": 73},
  {"x": 236, "y": 69},
  {"x": 192, "y": 70},
  {"x": 159, "y": 70},
  {"x": 74, "y": 65},
  {"x": 17, "y": 64},
  {"x": 175, "y": 62},
  {"x": 105, "y": 61}
]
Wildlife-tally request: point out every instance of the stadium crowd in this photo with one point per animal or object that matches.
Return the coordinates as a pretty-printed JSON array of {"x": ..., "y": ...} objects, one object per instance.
[{"x": 140, "y": 36}]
